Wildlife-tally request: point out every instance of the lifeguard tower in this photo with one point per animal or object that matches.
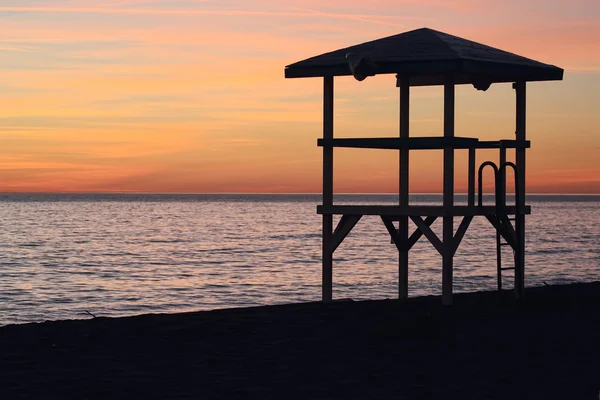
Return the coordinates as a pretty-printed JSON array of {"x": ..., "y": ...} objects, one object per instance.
[{"x": 425, "y": 57}]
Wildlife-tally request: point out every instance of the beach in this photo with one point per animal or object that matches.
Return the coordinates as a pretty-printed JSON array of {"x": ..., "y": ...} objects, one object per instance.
[{"x": 485, "y": 346}]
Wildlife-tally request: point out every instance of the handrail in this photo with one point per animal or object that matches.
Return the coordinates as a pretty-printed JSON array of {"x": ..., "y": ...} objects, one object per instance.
[
  {"x": 498, "y": 173},
  {"x": 507, "y": 144},
  {"x": 480, "y": 179},
  {"x": 421, "y": 143},
  {"x": 502, "y": 170}
]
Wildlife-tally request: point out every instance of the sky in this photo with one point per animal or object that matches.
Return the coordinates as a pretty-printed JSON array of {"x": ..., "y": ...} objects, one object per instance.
[{"x": 190, "y": 95}]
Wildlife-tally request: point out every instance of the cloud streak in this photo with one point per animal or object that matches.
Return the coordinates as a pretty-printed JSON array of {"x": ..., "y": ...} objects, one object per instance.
[
  {"x": 377, "y": 19},
  {"x": 354, "y": 17},
  {"x": 209, "y": 12},
  {"x": 152, "y": 11}
]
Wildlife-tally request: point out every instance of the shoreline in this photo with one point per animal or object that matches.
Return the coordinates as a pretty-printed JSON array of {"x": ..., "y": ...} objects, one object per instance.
[{"x": 485, "y": 346}]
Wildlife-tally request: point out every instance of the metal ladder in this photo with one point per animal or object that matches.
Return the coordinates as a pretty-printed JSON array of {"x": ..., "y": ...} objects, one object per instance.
[
  {"x": 500, "y": 199},
  {"x": 499, "y": 268}
]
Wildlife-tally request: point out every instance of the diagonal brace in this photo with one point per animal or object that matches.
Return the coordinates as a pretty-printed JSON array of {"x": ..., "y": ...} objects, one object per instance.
[
  {"x": 510, "y": 230},
  {"x": 416, "y": 235},
  {"x": 429, "y": 234},
  {"x": 460, "y": 232},
  {"x": 396, "y": 239},
  {"x": 343, "y": 228},
  {"x": 501, "y": 228},
  {"x": 418, "y": 232}
]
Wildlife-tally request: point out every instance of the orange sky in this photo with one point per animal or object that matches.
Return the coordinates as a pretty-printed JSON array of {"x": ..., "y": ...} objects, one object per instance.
[{"x": 189, "y": 95}]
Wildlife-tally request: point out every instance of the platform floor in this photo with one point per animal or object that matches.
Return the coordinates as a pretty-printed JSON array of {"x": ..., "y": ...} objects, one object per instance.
[{"x": 429, "y": 211}]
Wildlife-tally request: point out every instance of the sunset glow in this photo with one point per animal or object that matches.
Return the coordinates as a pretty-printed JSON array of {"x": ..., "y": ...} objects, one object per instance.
[{"x": 189, "y": 95}]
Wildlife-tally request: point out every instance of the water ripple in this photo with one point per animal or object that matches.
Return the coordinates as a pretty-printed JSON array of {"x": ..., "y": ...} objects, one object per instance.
[{"x": 127, "y": 255}]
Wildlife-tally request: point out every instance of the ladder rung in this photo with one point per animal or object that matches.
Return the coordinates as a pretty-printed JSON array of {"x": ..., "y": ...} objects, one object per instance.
[
  {"x": 506, "y": 268},
  {"x": 504, "y": 244}
]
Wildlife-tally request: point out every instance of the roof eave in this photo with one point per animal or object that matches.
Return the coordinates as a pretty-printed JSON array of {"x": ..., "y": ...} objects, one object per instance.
[
  {"x": 428, "y": 73},
  {"x": 510, "y": 72},
  {"x": 431, "y": 67}
]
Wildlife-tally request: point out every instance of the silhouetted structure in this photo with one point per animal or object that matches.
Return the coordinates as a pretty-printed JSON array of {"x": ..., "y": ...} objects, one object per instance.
[{"x": 425, "y": 57}]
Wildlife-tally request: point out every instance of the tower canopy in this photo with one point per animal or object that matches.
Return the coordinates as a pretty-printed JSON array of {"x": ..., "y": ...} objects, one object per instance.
[{"x": 426, "y": 56}]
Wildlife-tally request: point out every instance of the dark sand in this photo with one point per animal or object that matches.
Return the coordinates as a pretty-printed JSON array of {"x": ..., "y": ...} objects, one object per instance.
[{"x": 482, "y": 348}]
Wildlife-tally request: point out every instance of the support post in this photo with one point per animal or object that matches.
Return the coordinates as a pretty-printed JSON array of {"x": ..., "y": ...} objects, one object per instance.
[
  {"x": 327, "y": 271},
  {"x": 448, "y": 220},
  {"x": 471, "y": 184},
  {"x": 502, "y": 177},
  {"x": 403, "y": 188},
  {"x": 520, "y": 88}
]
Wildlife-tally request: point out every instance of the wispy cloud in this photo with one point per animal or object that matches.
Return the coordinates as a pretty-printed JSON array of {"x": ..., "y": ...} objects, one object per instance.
[
  {"x": 295, "y": 12},
  {"x": 375, "y": 19},
  {"x": 152, "y": 11}
]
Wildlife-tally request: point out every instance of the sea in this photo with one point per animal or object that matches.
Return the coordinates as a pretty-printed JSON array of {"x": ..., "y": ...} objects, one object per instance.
[{"x": 75, "y": 256}]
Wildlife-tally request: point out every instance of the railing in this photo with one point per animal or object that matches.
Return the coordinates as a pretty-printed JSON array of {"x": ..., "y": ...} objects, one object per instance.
[{"x": 433, "y": 143}]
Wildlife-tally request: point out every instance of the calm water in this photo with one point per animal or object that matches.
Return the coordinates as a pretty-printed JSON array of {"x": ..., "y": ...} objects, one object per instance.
[{"x": 130, "y": 254}]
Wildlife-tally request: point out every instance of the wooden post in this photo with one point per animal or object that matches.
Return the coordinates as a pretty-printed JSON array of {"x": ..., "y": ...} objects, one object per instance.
[
  {"x": 327, "y": 272},
  {"x": 403, "y": 188},
  {"x": 520, "y": 215},
  {"x": 502, "y": 176},
  {"x": 471, "y": 184},
  {"x": 448, "y": 220}
]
